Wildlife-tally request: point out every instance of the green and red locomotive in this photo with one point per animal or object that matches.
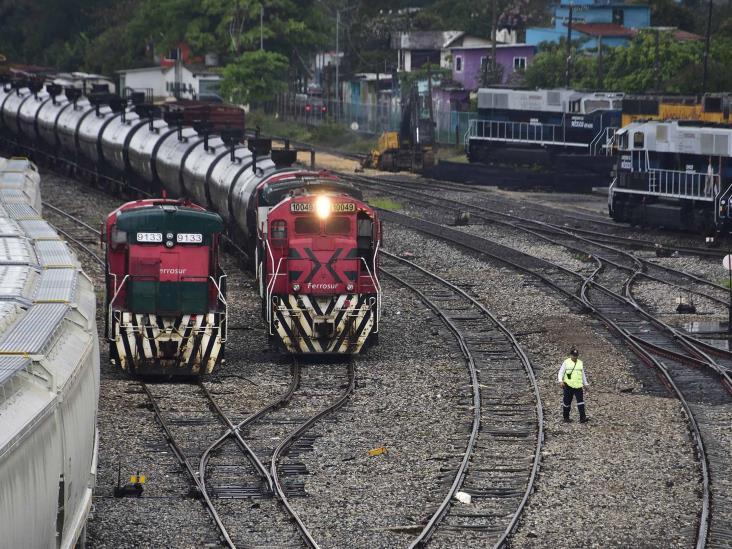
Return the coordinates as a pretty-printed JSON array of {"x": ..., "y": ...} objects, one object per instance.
[{"x": 166, "y": 304}]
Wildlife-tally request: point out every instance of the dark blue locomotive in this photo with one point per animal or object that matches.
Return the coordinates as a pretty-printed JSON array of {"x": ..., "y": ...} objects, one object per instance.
[{"x": 561, "y": 130}]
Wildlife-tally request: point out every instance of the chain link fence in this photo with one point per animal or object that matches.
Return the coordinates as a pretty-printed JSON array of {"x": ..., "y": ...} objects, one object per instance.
[{"x": 368, "y": 118}]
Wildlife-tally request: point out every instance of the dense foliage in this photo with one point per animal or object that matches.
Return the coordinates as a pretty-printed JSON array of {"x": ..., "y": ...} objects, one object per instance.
[
  {"x": 645, "y": 65},
  {"x": 103, "y": 36}
]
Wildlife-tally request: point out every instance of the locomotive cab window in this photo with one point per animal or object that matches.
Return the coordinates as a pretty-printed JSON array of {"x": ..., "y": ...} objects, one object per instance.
[
  {"x": 279, "y": 230},
  {"x": 638, "y": 139},
  {"x": 307, "y": 225},
  {"x": 338, "y": 225},
  {"x": 365, "y": 237},
  {"x": 575, "y": 106}
]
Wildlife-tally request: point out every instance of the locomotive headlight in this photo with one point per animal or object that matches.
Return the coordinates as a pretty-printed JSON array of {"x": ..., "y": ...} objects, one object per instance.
[
  {"x": 322, "y": 206},
  {"x": 168, "y": 243},
  {"x": 296, "y": 287},
  {"x": 349, "y": 287}
]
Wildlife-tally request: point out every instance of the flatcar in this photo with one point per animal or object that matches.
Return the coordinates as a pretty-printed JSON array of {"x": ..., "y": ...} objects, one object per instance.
[
  {"x": 319, "y": 272},
  {"x": 166, "y": 292},
  {"x": 673, "y": 174},
  {"x": 147, "y": 149},
  {"x": 49, "y": 374}
]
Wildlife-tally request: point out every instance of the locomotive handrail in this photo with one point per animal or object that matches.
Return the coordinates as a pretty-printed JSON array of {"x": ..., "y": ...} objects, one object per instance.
[
  {"x": 525, "y": 132},
  {"x": 220, "y": 297},
  {"x": 608, "y": 133},
  {"x": 270, "y": 289},
  {"x": 377, "y": 285},
  {"x": 111, "y": 301}
]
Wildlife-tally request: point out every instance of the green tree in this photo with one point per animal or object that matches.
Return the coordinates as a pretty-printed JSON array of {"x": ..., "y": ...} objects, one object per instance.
[{"x": 254, "y": 77}]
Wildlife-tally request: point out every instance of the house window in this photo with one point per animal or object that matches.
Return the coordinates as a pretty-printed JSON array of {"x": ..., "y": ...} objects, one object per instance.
[
  {"x": 519, "y": 63},
  {"x": 483, "y": 62},
  {"x": 458, "y": 64},
  {"x": 619, "y": 16}
]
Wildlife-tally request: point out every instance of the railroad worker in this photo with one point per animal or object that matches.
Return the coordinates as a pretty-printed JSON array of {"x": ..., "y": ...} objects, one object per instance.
[{"x": 573, "y": 378}]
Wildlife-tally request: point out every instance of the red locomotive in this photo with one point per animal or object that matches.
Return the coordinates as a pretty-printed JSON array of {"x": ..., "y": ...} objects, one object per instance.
[
  {"x": 318, "y": 268},
  {"x": 166, "y": 304}
]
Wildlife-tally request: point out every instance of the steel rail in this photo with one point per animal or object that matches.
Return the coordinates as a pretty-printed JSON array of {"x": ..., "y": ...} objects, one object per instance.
[
  {"x": 177, "y": 451},
  {"x": 641, "y": 243},
  {"x": 290, "y": 439},
  {"x": 443, "y": 509},
  {"x": 685, "y": 340},
  {"x": 180, "y": 455},
  {"x": 442, "y": 232}
]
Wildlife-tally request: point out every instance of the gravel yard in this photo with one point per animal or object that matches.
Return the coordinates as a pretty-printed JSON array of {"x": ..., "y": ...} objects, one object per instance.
[
  {"x": 603, "y": 474},
  {"x": 628, "y": 478}
]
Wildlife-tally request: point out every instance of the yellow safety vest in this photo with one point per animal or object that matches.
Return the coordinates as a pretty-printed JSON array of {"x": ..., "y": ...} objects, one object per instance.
[{"x": 573, "y": 373}]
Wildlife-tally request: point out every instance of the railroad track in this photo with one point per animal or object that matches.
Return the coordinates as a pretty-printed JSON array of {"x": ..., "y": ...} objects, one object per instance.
[
  {"x": 700, "y": 385},
  {"x": 555, "y": 234},
  {"x": 247, "y": 496},
  {"x": 415, "y": 192},
  {"x": 505, "y": 425}
]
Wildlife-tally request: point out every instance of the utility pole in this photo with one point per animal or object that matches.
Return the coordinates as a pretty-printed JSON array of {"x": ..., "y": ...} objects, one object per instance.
[
  {"x": 599, "y": 63},
  {"x": 338, "y": 55},
  {"x": 261, "y": 26},
  {"x": 494, "y": 32},
  {"x": 657, "y": 62},
  {"x": 706, "y": 48},
  {"x": 568, "y": 74}
]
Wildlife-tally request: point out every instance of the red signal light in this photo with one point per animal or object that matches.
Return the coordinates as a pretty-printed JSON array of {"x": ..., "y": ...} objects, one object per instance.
[
  {"x": 308, "y": 108},
  {"x": 323, "y": 109}
]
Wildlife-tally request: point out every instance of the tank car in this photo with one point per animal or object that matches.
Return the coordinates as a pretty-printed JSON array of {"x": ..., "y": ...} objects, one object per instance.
[
  {"x": 319, "y": 269},
  {"x": 166, "y": 304},
  {"x": 49, "y": 374},
  {"x": 132, "y": 145}
]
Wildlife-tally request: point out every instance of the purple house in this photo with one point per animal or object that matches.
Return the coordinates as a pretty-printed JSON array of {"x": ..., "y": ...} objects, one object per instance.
[{"x": 468, "y": 62}]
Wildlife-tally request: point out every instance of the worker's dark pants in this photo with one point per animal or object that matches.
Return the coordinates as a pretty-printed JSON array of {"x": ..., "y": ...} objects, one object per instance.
[{"x": 570, "y": 393}]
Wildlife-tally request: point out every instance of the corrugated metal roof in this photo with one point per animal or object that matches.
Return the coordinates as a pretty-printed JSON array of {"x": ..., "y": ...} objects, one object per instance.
[
  {"x": 12, "y": 179},
  {"x": 8, "y": 227},
  {"x": 38, "y": 229},
  {"x": 33, "y": 332},
  {"x": 10, "y": 365},
  {"x": 13, "y": 279},
  {"x": 56, "y": 285},
  {"x": 21, "y": 211},
  {"x": 16, "y": 251},
  {"x": 54, "y": 253},
  {"x": 13, "y": 196}
]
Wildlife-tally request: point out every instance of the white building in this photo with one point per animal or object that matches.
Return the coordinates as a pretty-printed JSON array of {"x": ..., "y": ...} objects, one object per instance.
[{"x": 162, "y": 82}]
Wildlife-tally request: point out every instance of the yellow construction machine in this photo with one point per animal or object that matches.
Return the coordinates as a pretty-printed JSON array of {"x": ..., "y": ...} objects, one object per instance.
[{"x": 410, "y": 148}]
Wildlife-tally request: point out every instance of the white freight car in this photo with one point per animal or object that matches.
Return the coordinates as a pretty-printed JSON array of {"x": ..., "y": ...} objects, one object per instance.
[{"x": 49, "y": 374}]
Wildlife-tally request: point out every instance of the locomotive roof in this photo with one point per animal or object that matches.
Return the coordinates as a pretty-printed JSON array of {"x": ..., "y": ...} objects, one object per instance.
[
  {"x": 168, "y": 217},
  {"x": 273, "y": 193}
]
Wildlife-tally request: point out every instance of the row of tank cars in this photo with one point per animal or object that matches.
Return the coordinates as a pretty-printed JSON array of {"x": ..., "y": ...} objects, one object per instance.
[
  {"x": 49, "y": 373},
  {"x": 312, "y": 242}
]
